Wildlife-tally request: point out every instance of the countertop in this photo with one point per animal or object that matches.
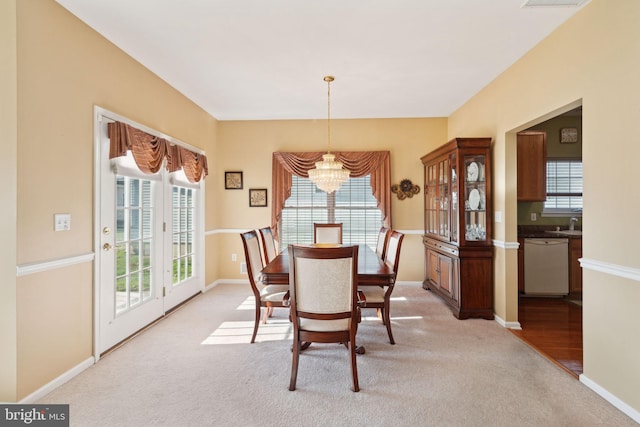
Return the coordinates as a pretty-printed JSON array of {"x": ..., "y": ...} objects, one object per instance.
[{"x": 542, "y": 231}]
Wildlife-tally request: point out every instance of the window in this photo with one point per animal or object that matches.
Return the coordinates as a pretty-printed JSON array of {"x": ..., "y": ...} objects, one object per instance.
[
  {"x": 353, "y": 205},
  {"x": 564, "y": 187}
]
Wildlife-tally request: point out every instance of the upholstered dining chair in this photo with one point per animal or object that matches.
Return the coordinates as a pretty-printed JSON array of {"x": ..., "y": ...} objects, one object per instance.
[
  {"x": 266, "y": 296},
  {"x": 377, "y": 296},
  {"x": 268, "y": 244},
  {"x": 323, "y": 297},
  {"x": 327, "y": 233},
  {"x": 381, "y": 244}
]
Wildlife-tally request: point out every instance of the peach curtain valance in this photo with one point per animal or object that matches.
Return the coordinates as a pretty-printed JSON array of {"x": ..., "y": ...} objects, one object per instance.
[
  {"x": 150, "y": 151},
  {"x": 359, "y": 163}
]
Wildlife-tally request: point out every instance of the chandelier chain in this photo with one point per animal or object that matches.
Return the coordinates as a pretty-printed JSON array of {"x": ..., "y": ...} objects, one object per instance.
[{"x": 328, "y": 79}]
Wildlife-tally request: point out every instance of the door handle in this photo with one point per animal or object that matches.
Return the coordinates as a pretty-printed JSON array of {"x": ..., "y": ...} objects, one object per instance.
[{"x": 106, "y": 247}]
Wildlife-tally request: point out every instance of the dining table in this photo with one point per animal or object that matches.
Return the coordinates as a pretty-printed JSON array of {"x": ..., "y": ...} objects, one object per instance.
[{"x": 372, "y": 270}]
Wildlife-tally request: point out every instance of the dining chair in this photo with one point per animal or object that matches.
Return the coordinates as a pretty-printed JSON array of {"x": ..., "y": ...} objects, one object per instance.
[
  {"x": 377, "y": 296},
  {"x": 268, "y": 244},
  {"x": 323, "y": 298},
  {"x": 381, "y": 244},
  {"x": 269, "y": 296},
  {"x": 327, "y": 233}
]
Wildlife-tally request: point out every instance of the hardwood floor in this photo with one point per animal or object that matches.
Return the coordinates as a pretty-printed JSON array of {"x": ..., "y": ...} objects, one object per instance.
[{"x": 553, "y": 326}]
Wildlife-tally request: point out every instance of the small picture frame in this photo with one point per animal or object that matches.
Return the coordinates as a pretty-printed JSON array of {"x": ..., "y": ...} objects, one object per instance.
[
  {"x": 568, "y": 135},
  {"x": 257, "y": 197},
  {"x": 233, "y": 180}
]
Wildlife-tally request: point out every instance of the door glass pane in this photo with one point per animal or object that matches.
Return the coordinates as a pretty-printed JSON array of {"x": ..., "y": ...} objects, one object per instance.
[
  {"x": 134, "y": 218},
  {"x": 183, "y": 211}
]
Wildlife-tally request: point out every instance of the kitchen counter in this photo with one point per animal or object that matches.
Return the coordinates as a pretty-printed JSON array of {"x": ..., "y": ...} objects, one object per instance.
[{"x": 547, "y": 231}]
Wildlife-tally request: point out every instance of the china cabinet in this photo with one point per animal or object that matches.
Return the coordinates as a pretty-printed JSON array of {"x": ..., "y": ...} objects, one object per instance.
[{"x": 457, "y": 226}]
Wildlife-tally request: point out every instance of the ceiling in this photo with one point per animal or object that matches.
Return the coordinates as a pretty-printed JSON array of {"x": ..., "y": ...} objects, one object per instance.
[{"x": 265, "y": 60}]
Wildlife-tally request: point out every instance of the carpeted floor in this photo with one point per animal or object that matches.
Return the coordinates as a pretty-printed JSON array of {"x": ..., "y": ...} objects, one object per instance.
[{"x": 197, "y": 368}]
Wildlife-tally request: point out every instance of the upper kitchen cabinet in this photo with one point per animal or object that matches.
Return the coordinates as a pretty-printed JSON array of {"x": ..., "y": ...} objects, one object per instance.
[{"x": 532, "y": 166}]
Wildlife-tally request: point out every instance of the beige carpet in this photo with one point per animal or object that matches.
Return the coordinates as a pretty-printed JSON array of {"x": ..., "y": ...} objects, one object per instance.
[{"x": 197, "y": 368}]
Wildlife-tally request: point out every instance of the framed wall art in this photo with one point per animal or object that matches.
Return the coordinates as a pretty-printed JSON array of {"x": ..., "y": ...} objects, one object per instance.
[
  {"x": 257, "y": 197},
  {"x": 233, "y": 180},
  {"x": 568, "y": 135}
]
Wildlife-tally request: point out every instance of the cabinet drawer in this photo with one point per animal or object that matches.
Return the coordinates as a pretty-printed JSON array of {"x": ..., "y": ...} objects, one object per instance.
[{"x": 441, "y": 247}]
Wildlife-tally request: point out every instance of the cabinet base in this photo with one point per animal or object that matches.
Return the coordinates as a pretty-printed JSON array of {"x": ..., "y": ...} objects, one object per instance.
[{"x": 462, "y": 313}]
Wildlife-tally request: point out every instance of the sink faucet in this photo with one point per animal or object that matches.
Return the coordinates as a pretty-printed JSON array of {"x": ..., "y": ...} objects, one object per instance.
[{"x": 572, "y": 223}]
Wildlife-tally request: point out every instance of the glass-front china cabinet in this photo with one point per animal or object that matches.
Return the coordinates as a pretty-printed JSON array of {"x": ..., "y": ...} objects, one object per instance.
[{"x": 457, "y": 222}]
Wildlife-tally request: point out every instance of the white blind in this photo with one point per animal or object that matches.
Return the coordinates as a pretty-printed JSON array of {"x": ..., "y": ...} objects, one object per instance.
[
  {"x": 564, "y": 186},
  {"x": 353, "y": 205}
]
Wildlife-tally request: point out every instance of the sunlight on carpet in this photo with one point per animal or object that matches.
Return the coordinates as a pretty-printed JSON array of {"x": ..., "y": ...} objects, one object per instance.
[{"x": 240, "y": 332}]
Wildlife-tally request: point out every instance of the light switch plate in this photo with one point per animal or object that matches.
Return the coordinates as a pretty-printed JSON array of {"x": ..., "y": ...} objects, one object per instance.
[{"x": 61, "y": 222}]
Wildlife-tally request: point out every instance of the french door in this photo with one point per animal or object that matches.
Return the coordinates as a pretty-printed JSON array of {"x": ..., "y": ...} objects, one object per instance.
[{"x": 148, "y": 256}]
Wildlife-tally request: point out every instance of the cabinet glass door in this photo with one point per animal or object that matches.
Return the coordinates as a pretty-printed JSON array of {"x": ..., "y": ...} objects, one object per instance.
[
  {"x": 455, "y": 224},
  {"x": 443, "y": 198},
  {"x": 431, "y": 200},
  {"x": 475, "y": 198}
]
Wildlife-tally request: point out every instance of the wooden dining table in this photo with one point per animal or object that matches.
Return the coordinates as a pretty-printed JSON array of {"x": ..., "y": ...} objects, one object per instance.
[{"x": 372, "y": 271}]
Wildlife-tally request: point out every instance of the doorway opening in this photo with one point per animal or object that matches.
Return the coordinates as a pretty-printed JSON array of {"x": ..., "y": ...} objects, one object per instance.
[{"x": 550, "y": 219}]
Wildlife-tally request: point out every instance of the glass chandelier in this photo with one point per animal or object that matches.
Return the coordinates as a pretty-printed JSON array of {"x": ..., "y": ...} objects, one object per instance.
[{"x": 328, "y": 174}]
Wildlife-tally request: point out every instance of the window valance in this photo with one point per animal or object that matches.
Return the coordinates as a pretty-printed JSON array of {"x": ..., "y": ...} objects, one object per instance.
[
  {"x": 359, "y": 163},
  {"x": 150, "y": 151}
]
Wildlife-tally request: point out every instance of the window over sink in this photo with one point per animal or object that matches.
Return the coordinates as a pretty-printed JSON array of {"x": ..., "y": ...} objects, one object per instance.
[{"x": 564, "y": 188}]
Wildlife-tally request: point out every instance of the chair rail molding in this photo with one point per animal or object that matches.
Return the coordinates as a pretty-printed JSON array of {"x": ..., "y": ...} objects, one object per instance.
[
  {"x": 612, "y": 269},
  {"x": 37, "y": 267}
]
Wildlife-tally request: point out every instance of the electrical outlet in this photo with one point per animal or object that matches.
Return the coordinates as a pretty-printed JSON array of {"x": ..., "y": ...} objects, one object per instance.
[
  {"x": 234, "y": 257},
  {"x": 498, "y": 216},
  {"x": 243, "y": 268},
  {"x": 534, "y": 216}
]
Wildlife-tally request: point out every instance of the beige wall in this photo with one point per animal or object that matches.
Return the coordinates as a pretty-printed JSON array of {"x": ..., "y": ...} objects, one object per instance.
[
  {"x": 247, "y": 146},
  {"x": 64, "y": 70},
  {"x": 595, "y": 58},
  {"x": 8, "y": 165}
]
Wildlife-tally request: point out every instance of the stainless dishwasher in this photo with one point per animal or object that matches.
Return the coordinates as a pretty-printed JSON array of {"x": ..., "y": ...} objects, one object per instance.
[{"x": 546, "y": 266}]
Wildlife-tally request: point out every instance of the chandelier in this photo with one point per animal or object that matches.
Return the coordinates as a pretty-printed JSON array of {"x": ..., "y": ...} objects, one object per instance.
[{"x": 328, "y": 174}]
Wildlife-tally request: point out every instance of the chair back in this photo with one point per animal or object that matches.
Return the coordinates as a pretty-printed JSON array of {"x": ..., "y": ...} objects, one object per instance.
[
  {"x": 253, "y": 257},
  {"x": 327, "y": 233},
  {"x": 383, "y": 238},
  {"x": 268, "y": 244},
  {"x": 323, "y": 288},
  {"x": 392, "y": 257}
]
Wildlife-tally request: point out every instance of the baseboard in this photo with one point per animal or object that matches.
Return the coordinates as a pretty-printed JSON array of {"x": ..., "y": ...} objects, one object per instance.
[
  {"x": 505, "y": 324},
  {"x": 409, "y": 282},
  {"x": 228, "y": 281},
  {"x": 606, "y": 395},
  {"x": 52, "y": 385},
  {"x": 246, "y": 282}
]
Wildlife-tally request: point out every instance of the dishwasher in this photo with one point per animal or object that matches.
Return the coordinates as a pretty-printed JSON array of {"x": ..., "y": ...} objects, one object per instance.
[{"x": 546, "y": 267}]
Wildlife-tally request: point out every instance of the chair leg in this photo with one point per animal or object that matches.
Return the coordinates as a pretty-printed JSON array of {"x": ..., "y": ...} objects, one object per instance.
[
  {"x": 294, "y": 365},
  {"x": 255, "y": 324},
  {"x": 354, "y": 367},
  {"x": 387, "y": 322},
  {"x": 268, "y": 311}
]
